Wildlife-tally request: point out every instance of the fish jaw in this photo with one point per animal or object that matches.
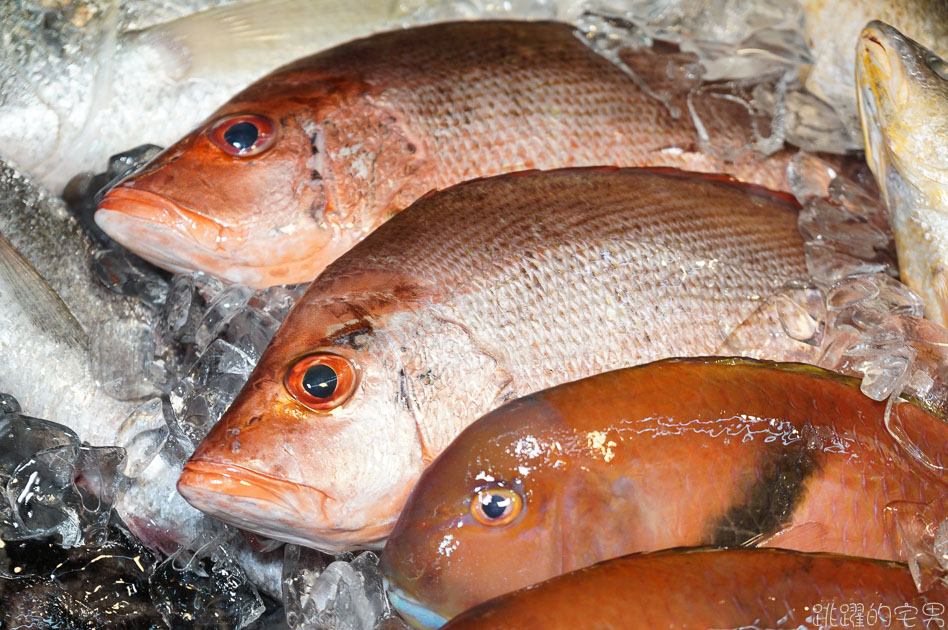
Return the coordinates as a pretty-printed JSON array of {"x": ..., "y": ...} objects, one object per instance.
[
  {"x": 295, "y": 513},
  {"x": 179, "y": 239}
]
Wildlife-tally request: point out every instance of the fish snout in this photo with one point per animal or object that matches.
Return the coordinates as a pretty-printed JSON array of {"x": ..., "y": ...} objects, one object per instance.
[
  {"x": 160, "y": 229},
  {"x": 276, "y": 508}
]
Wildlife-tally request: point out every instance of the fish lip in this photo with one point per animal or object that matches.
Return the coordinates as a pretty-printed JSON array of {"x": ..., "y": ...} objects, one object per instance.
[
  {"x": 181, "y": 239},
  {"x": 222, "y": 490},
  {"x": 202, "y": 231},
  {"x": 241, "y": 482},
  {"x": 411, "y": 610}
]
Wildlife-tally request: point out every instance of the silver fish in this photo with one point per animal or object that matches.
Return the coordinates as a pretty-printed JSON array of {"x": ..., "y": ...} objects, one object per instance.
[{"x": 51, "y": 304}]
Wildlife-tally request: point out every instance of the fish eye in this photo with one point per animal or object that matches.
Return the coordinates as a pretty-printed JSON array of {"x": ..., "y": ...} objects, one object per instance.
[
  {"x": 322, "y": 381},
  {"x": 244, "y": 135},
  {"x": 938, "y": 65},
  {"x": 496, "y": 505}
]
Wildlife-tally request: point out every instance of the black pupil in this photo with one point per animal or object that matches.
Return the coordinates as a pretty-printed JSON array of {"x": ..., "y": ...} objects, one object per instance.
[
  {"x": 241, "y": 136},
  {"x": 494, "y": 506},
  {"x": 320, "y": 381}
]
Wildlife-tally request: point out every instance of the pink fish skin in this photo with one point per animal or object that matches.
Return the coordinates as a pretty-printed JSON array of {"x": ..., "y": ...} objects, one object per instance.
[
  {"x": 476, "y": 295},
  {"x": 344, "y": 139}
]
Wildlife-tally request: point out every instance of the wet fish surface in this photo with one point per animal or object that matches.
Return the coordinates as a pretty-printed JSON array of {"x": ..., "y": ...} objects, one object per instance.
[
  {"x": 474, "y": 296},
  {"x": 301, "y": 165},
  {"x": 902, "y": 89},
  {"x": 680, "y": 452},
  {"x": 75, "y": 96},
  {"x": 51, "y": 305},
  {"x": 716, "y": 589}
]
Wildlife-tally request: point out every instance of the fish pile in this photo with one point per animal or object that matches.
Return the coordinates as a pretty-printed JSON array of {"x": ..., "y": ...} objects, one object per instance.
[{"x": 464, "y": 307}]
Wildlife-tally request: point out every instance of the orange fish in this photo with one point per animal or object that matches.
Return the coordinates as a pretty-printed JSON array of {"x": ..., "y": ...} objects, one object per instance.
[
  {"x": 476, "y": 295},
  {"x": 681, "y": 452},
  {"x": 301, "y": 165},
  {"x": 723, "y": 589}
]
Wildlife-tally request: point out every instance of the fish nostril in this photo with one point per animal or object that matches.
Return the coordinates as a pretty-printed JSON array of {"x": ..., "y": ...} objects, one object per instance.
[{"x": 254, "y": 420}]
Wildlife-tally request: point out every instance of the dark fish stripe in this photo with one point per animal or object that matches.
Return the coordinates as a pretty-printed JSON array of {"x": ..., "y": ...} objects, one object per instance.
[{"x": 771, "y": 501}]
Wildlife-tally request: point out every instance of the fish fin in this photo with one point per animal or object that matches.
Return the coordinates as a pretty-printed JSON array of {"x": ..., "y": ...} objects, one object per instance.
[
  {"x": 259, "y": 36},
  {"x": 42, "y": 305},
  {"x": 809, "y": 536}
]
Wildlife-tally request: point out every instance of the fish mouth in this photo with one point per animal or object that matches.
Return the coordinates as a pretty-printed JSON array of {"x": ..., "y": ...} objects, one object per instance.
[
  {"x": 411, "y": 610},
  {"x": 280, "y": 509},
  {"x": 873, "y": 74},
  {"x": 179, "y": 239}
]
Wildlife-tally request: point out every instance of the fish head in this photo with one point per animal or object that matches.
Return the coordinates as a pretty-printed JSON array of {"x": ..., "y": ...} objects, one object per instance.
[
  {"x": 487, "y": 502},
  {"x": 902, "y": 91},
  {"x": 320, "y": 447},
  {"x": 252, "y": 194}
]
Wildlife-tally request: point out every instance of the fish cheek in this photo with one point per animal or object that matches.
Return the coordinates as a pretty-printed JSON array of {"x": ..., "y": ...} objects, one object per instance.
[{"x": 375, "y": 164}]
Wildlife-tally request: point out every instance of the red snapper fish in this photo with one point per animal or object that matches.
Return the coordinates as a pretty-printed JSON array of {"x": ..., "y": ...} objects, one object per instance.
[
  {"x": 476, "y": 295},
  {"x": 681, "y": 452},
  {"x": 718, "y": 589},
  {"x": 301, "y": 165}
]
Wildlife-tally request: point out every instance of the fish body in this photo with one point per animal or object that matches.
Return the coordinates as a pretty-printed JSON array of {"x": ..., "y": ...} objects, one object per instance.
[
  {"x": 300, "y": 166},
  {"x": 903, "y": 102},
  {"x": 103, "y": 89},
  {"x": 473, "y": 296},
  {"x": 52, "y": 304},
  {"x": 832, "y": 29},
  {"x": 716, "y": 589},
  {"x": 681, "y": 452}
]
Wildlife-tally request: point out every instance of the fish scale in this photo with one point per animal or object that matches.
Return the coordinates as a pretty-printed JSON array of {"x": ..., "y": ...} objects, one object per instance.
[
  {"x": 365, "y": 129},
  {"x": 487, "y": 291}
]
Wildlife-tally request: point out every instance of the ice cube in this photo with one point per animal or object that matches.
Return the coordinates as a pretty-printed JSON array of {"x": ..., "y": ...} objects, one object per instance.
[
  {"x": 219, "y": 312},
  {"x": 125, "y": 163},
  {"x": 65, "y": 492},
  {"x": 143, "y": 434},
  {"x": 827, "y": 222},
  {"x": 940, "y": 545},
  {"x": 813, "y": 125},
  {"x": 344, "y": 596},
  {"x": 800, "y": 308},
  {"x": 153, "y": 510},
  {"x": 251, "y": 330},
  {"x": 918, "y": 529},
  {"x": 182, "y": 310},
  {"x": 124, "y": 273},
  {"x": 851, "y": 291},
  {"x": 302, "y": 566},
  {"x": 201, "y": 397},
  {"x": 809, "y": 176},
  {"x": 277, "y": 301},
  {"x": 827, "y": 265},
  {"x": 204, "y": 590}
]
